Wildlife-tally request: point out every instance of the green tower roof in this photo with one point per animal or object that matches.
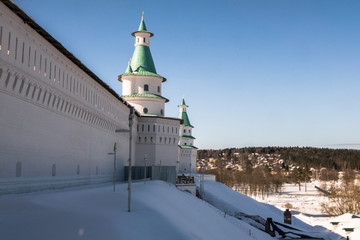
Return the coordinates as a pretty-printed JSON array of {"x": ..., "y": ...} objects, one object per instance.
[
  {"x": 185, "y": 118},
  {"x": 146, "y": 95},
  {"x": 142, "y": 60},
  {"x": 129, "y": 69},
  {"x": 142, "y": 27},
  {"x": 142, "y": 63},
  {"x": 183, "y": 103},
  {"x": 187, "y": 147},
  {"x": 183, "y": 115}
]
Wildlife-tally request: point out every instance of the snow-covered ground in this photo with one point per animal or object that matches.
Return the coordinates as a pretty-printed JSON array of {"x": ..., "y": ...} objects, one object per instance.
[
  {"x": 306, "y": 206},
  {"x": 232, "y": 202},
  {"x": 308, "y": 202},
  {"x": 159, "y": 211}
]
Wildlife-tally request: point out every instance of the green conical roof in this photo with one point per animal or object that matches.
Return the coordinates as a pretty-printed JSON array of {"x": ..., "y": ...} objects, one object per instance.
[
  {"x": 185, "y": 118},
  {"x": 183, "y": 103},
  {"x": 142, "y": 27},
  {"x": 129, "y": 69},
  {"x": 183, "y": 115},
  {"x": 142, "y": 63},
  {"x": 142, "y": 60}
]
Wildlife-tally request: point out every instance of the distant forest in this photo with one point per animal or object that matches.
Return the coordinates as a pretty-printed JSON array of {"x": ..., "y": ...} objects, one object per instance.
[{"x": 337, "y": 159}]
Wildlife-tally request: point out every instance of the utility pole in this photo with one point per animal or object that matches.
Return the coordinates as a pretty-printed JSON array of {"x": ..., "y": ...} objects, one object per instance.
[
  {"x": 202, "y": 171},
  {"x": 145, "y": 157},
  {"x": 190, "y": 167},
  {"x": 114, "y": 153},
  {"x": 114, "y": 165}
]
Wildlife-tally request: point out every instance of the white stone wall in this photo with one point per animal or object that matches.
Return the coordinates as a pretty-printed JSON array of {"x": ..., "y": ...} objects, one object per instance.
[
  {"x": 157, "y": 138},
  {"x": 154, "y": 106},
  {"x": 56, "y": 121},
  {"x": 187, "y": 156},
  {"x": 142, "y": 38},
  {"x": 135, "y": 84},
  {"x": 187, "y": 131}
]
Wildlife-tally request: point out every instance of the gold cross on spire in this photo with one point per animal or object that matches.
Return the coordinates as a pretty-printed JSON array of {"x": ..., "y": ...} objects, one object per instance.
[{"x": 142, "y": 17}]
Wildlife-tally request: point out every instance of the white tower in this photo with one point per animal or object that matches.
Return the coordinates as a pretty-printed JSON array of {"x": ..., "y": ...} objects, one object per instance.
[
  {"x": 188, "y": 151},
  {"x": 141, "y": 84},
  {"x": 156, "y": 136}
]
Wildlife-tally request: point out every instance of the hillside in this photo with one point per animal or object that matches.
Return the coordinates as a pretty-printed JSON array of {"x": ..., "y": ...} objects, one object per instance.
[{"x": 338, "y": 159}]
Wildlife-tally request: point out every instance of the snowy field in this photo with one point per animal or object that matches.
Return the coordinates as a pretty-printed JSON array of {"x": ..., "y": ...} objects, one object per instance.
[
  {"x": 159, "y": 211},
  {"x": 306, "y": 206},
  {"x": 307, "y": 202}
]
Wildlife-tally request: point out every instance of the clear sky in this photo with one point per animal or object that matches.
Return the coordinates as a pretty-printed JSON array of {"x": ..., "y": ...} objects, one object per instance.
[{"x": 254, "y": 72}]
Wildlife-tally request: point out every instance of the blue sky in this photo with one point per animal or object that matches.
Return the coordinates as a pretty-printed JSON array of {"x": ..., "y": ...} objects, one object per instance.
[{"x": 254, "y": 73}]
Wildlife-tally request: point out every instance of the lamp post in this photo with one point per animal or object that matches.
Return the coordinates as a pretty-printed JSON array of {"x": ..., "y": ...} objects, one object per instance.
[
  {"x": 190, "y": 167},
  {"x": 131, "y": 116},
  {"x": 145, "y": 157},
  {"x": 114, "y": 153},
  {"x": 178, "y": 167}
]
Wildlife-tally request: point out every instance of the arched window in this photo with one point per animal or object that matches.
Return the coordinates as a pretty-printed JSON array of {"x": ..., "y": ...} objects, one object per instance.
[
  {"x": 145, "y": 110},
  {"x": 161, "y": 112},
  {"x": 146, "y": 87},
  {"x": 158, "y": 88}
]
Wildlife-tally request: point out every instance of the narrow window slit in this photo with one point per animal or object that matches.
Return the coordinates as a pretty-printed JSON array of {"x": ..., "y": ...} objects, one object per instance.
[
  {"x": 16, "y": 47},
  {"x": 22, "y": 55},
  {"x": 21, "y": 86},
  {"x": 1, "y": 31},
  {"x": 15, "y": 82},
  {"x": 8, "y": 51}
]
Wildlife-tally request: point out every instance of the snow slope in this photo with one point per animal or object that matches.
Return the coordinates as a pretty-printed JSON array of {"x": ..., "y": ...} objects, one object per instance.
[
  {"x": 308, "y": 209},
  {"x": 232, "y": 202},
  {"x": 159, "y": 211}
]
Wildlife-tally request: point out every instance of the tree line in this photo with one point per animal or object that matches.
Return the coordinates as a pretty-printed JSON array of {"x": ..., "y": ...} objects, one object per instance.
[{"x": 337, "y": 159}]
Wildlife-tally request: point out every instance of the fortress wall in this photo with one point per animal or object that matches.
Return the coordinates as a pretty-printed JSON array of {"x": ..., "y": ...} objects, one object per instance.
[{"x": 57, "y": 121}]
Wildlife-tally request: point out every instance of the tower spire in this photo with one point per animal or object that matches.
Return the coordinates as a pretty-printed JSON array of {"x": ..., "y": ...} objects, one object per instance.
[
  {"x": 183, "y": 115},
  {"x": 141, "y": 83}
]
